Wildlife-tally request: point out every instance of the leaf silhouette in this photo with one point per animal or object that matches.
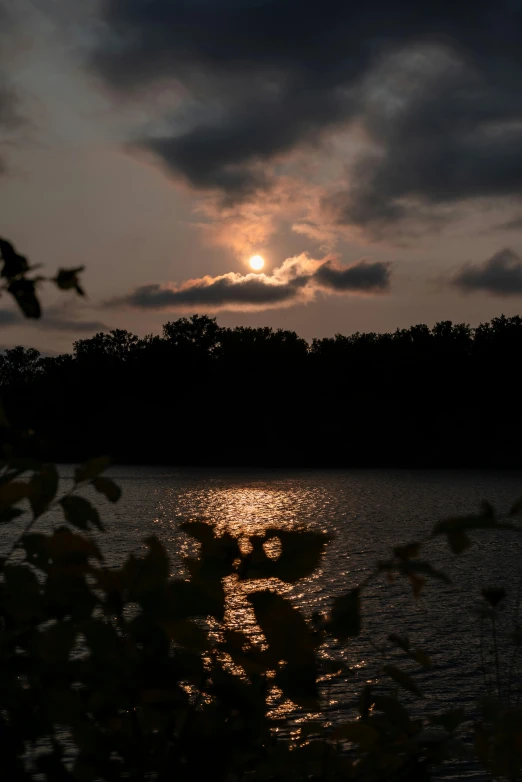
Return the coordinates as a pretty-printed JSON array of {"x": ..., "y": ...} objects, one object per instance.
[
  {"x": 424, "y": 568},
  {"x": 299, "y": 683},
  {"x": 301, "y": 553},
  {"x": 91, "y": 469},
  {"x": 449, "y": 720},
  {"x": 402, "y": 678},
  {"x": 107, "y": 487},
  {"x": 68, "y": 278},
  {"x": 458, "y": 541},
  {"x": 13, "y": 492},
  {"x": 44, "y": 485},
  {"x": 187, "y": 634},
  {"x": 359, "y": 732},
  {"x": 24, "y": 291},
  {"x": 283, "y": 626},
  {"x": 9, "y": 514},
  {"x": 416, "y": 654},
  {"x": 80, "y": 513},
  {"x": 345, "y": 617},
  {"x": 485, "y": 520}
]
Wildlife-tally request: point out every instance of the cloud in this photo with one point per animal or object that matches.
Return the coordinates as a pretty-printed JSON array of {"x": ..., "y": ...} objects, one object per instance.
[
  {"x": 7, "y": 104},
  {"x": 501, "y": 275},
  {"x": 53, "y": 319},
  {"x": 442, "y": 136},
  {"x": 251, "y": 95},
  {"x": 296, "y": 281},
  {"x": 229, "y": 291},
  {"x": 363, "y": 276},
  {"x": 245, "y": 227},
  {"x": 59, "y": 323},
  {"x": 9, "y": 116},
  {"x": 9, "y": 317},
  {"x": 510, "y": 225},
  {"x": 435, "y": 97}
]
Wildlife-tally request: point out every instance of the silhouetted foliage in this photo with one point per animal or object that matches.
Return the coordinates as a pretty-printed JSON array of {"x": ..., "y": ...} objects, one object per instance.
[
  {"x": 444, "y": 396},
  {"x": 15, "y": 280},
  {"x": 113, "y": 673}
]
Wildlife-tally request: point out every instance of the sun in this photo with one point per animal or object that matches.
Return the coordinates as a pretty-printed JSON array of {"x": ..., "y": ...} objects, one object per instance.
[{"x": 256, "y": 263}]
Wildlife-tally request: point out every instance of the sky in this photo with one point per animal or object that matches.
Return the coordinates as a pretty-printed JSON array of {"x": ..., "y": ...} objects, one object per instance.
[{"x": 371, "y": 154}]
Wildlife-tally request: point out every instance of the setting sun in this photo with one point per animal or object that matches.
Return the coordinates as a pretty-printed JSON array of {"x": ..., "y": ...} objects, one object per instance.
[{"x": 256, "y": 263}]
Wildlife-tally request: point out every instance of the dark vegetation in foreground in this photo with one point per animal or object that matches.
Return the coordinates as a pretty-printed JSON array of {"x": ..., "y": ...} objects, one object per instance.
[
  {"x": 126, "y": 673},
  {"x": 205, "y": 395}
]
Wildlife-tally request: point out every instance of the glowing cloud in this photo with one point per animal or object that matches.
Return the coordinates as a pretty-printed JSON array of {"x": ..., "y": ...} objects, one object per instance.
[{"x": 297, "y": 281}]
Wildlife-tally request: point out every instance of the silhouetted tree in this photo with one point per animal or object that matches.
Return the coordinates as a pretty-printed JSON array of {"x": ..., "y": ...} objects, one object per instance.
[{"x": 201, "y": 393}]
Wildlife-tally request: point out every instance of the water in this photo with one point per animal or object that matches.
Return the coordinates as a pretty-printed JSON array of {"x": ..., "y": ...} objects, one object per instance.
[{"x": 368, "y": 513}]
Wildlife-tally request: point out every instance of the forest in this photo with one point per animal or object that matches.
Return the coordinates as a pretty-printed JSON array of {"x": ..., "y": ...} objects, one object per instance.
[{"x": 201, "y": 394}]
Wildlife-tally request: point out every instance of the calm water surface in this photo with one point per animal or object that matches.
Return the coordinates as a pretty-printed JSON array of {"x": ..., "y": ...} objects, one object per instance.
[{"x": 368, "y": 512}]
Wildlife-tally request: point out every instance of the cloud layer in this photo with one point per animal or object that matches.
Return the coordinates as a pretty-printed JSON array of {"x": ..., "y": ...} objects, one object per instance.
[
  {"x": 53, "y": 319},
  {"x": 437, "y": 95},
  {"x": 500, "y": 275},
  {"x": 7, "y": 104},
  {"x": 296, "y": 281},
  {"x": 9, "y": 118}
]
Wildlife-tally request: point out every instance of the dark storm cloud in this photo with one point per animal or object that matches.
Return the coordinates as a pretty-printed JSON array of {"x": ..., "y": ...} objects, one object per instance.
[
  {"x": 296, "y": 281},
  {"x": 452, "y": 136},
  {"x": 218, "y": 292},
  {"x": 262, "y": 78},
  {"x": 363, "y": 276},
  {"x": 501, "y": 275},
  {"x": 224, "y": 154},
  {"x": 250, "y": 65}
]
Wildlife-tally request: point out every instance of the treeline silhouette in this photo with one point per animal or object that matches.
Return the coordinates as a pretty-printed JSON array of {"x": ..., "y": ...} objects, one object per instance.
[{"x": 201, "y": 394}]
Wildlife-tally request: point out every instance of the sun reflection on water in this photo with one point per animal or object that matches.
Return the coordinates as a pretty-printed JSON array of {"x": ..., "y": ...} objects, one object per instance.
[
  {"x": 242, "y": 513},
  {"x": 368, "y": 512},
  {"x": 246, "y": 511}
]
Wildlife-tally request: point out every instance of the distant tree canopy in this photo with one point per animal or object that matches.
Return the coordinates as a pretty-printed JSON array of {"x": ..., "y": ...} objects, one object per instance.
[{"x": 203, "y": 394}]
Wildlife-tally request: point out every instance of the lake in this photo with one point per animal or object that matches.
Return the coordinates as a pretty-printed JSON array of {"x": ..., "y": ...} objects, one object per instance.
[{"x": 368, "y": 512}]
